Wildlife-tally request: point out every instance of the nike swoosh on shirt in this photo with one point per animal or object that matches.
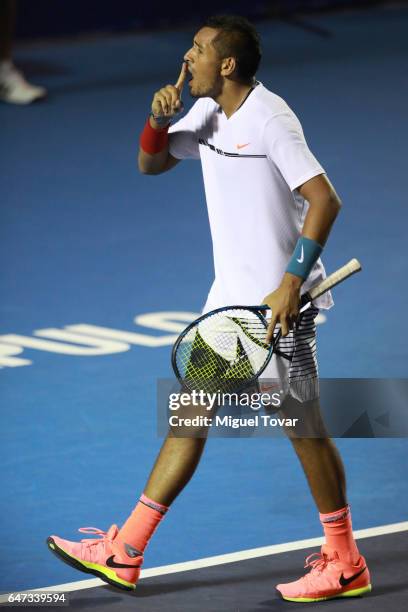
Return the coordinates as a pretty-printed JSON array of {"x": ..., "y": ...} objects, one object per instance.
[
  {"x": 243, "y": 145},
  {"x": 112, "y": 563},
  {"x": 301, "y": 258},
  {"x": 345, "y": 581}
]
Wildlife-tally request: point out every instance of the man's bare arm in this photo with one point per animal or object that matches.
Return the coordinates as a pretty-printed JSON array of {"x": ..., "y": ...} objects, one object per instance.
[
  {"x": 324, "y": 205},
  {"x": 165, "y": 105}
]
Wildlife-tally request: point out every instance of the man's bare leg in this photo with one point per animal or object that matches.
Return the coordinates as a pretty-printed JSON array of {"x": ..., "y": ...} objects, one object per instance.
[
  {"x": 317, "y": 453},
  {"x": 117, "y": 556},
  {"x": 339, "y": 556},
  {"x": 324, "y": 471},
  {"x": 325, "y": 474},
  {"x": 175, "y": 465}
]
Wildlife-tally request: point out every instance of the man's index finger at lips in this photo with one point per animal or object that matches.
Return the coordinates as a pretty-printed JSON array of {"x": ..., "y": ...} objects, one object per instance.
[{"x": 182, "y": 76}]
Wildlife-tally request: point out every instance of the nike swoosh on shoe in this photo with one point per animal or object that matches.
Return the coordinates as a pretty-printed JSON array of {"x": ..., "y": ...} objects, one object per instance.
[
  {"x": 110, "y": 562},
  {"x": 345, "y": 581}
]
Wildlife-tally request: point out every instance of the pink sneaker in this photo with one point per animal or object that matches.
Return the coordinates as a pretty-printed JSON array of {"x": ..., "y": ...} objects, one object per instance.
[
  {"x": 328, "y": 578},
  {"x": 108, "y": 557}
]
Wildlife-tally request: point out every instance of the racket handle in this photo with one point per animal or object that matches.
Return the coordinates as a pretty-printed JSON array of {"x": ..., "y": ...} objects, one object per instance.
[{"x": 331, "y": 281}]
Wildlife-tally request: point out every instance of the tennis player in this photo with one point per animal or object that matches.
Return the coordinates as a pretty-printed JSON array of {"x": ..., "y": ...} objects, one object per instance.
[{"x": 271, "y": 208}]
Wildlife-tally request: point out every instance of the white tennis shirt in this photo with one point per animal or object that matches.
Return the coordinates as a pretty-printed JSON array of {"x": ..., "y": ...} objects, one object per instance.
[{"x": 252, "y": 164}]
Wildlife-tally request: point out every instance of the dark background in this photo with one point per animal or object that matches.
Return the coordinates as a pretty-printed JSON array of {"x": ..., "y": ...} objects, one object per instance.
[{"x": 53, "y": 18}]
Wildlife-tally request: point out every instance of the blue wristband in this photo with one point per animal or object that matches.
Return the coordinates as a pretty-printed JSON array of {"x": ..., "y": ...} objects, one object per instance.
[{"x": 304, "y": 257}]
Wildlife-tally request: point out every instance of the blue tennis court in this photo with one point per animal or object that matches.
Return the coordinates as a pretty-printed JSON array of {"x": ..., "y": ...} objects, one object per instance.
[{"x": 89, "y": 243}]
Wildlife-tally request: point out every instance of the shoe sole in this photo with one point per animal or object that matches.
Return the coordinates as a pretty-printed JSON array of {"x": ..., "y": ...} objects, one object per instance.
[
  {"x": 89, "y": 568},
  {"x": 352, "y": 593}
]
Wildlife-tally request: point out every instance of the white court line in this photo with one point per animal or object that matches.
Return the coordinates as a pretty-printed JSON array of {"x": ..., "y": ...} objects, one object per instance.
[{"x": 242, "y": 555}]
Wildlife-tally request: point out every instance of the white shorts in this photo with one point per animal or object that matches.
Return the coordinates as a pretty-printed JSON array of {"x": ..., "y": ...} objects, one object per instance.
[{"x": 293, "y": 367}]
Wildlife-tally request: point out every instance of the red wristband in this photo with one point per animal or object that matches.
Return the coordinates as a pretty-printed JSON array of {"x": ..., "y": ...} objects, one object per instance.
[{"x": 153, "y": 141}]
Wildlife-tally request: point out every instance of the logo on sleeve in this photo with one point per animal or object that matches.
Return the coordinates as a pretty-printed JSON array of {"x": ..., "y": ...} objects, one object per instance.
[
  {"x": 241, "y": 146},
  {"x": 302, "y": 256}
]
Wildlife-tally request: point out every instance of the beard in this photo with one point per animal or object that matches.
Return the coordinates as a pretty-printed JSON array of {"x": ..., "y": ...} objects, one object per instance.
[{"x": 205, "y": 88}]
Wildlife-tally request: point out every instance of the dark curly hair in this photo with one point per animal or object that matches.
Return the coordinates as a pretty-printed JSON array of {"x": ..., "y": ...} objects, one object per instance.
[{"x": 237, "y": 38}]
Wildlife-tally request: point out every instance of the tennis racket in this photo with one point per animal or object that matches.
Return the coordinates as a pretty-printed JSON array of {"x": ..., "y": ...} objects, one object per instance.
[{"x": 225, "y": 350}]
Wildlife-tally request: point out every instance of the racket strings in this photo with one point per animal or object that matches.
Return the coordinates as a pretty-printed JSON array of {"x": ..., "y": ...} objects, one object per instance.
[{"x": 223, "y": 350}]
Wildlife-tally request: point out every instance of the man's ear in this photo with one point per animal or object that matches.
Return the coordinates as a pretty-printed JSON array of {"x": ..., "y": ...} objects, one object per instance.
[{"x": 228, "y": 66}]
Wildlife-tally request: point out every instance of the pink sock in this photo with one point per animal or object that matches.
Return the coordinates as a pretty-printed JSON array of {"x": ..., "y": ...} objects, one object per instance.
[
  {"x": 339, "y": 534},
  {"x": 142, "y": 523}
]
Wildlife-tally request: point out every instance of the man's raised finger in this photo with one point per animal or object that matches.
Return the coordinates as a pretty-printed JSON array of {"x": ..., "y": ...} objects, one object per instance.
[{"x": 182, "y": 77}]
